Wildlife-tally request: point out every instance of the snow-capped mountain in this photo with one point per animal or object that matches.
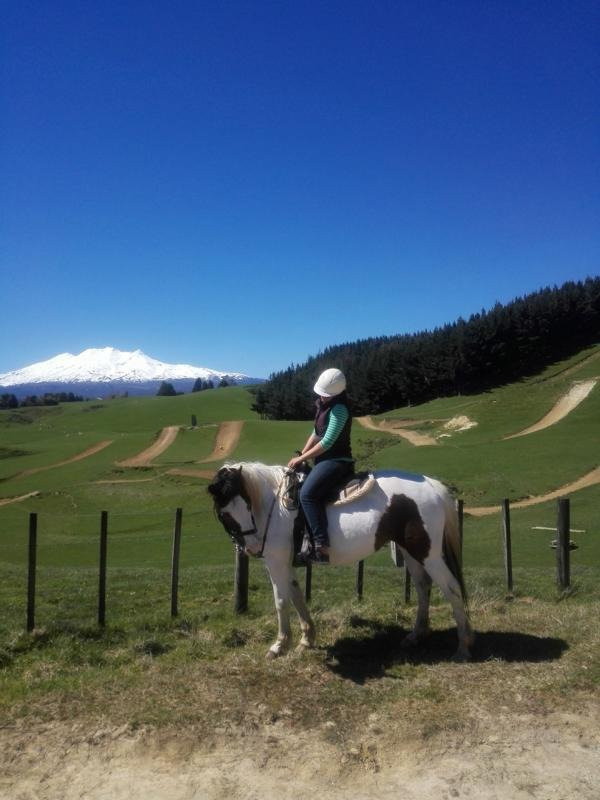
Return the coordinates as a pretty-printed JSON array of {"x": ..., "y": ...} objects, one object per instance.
[{"x": 114, "y": 369}]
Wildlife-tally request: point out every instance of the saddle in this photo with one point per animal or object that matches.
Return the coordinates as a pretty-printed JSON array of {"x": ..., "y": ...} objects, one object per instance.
[{"x": 358, "y": 486}]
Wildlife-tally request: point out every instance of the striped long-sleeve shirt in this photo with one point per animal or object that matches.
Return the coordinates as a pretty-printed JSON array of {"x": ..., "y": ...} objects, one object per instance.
[{"x": 337, "y": 419}]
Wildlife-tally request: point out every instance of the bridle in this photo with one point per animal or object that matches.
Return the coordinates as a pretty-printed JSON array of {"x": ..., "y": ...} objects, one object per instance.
[{"x": 237, "y": 536}]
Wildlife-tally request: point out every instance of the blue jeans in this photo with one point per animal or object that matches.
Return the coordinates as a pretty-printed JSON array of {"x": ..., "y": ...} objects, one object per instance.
[{"x": 326, "y": 478}]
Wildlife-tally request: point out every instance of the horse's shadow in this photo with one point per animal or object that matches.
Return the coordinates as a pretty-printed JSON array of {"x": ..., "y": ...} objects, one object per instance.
[{"x": 379, "y": 648}]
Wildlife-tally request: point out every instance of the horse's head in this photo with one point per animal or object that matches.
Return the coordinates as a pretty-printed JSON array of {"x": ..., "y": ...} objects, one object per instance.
[{"x": 233, "y": 504}]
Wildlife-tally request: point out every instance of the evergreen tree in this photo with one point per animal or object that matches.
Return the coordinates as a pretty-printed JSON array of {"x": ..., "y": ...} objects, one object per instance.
[
  {"x": 166, "y": 390},
  {"x": 492, "y": 347},
  {"x": 8, "y": 401}
]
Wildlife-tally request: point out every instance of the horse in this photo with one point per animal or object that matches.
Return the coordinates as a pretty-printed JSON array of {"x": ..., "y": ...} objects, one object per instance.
[{"x": 415, "y": 512}]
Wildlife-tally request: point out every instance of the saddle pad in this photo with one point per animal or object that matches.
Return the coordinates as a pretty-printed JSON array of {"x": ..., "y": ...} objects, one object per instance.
[{"x": 357, "y": 487}]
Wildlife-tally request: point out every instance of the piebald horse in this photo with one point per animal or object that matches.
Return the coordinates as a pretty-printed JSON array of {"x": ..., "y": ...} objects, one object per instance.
[{"x": 414, "y": 511}]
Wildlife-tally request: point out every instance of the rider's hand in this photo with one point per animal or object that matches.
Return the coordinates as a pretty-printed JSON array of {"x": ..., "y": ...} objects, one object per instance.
[{"x": 294, "y": 462}]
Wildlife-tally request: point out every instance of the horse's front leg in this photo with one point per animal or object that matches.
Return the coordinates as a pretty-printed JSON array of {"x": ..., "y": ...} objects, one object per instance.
[
  {"x": 281, "y": 579},
  {"x": 306, "y": 624}
]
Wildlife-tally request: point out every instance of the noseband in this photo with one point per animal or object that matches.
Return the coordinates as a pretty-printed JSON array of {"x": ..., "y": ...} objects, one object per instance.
[{"x": 233, "y": 529}]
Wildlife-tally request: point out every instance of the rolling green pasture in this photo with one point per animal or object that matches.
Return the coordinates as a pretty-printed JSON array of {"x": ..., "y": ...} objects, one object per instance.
[
  {"x": 68, "y": 665},
  {"x": 480, "y": 466}
]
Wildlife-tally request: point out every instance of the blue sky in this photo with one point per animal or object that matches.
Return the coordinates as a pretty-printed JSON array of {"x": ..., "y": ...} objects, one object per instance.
[{"x": 240, "y": 184}]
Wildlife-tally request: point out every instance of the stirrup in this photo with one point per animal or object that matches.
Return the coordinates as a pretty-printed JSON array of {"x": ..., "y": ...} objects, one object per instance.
[
  {"x": 312, "y": 556},
  {"x": 319, "y": 557}
]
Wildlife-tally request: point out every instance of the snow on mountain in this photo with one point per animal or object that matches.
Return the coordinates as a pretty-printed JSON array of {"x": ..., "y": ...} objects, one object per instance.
[{"x": 108, "y": 365}]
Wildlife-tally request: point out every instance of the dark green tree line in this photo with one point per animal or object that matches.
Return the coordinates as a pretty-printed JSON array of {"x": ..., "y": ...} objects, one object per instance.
[{"x": 493, "y": 347}]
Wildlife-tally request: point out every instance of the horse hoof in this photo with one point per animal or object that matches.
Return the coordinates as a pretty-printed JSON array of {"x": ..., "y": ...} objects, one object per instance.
[
  {"x": 413, "y": 639},
  {"x": 272, "y": 655},
  {"x": 460, "y": 657}
]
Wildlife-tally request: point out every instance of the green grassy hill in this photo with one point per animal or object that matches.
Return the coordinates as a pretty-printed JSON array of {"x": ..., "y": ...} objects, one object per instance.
[
  {"x": 68, "y": 667},
  {"x": 480, "y": 465}
]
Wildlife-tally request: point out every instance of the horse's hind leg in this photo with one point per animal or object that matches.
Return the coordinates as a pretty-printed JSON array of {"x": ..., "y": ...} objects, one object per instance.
[
  {"x": 306, "y": 623},
  {"x": 450, "y": 587},
  {"x": 422, "y": 583}
]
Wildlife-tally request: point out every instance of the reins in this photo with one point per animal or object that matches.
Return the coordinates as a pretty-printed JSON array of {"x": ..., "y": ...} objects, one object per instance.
[{"x": 267, "y": 524}]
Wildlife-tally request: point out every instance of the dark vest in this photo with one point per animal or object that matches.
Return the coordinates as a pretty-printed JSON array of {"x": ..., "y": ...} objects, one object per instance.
[{"x": 341, "y": 448}]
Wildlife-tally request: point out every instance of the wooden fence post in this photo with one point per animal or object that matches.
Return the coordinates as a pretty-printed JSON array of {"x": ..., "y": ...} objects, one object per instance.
[
  {"x": 241, "y": 582},
  {"x": 31, "y": 572},
  {"x": 563, "y": 555},
  {"x": 308, "y": 583},
  {"x": 360, "y": 572},
  {"x": 507, "y": 543},
  {"x": 175, "y": 562},
  {"x": 102, "y": 569}
]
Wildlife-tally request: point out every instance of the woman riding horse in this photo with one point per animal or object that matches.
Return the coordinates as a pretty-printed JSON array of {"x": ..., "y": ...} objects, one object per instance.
[{"x": 329, "y": 445}]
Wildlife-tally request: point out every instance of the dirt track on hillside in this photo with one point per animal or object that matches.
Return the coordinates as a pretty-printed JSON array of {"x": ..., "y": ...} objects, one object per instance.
[
  {"x": 567, "y": 403},
  {"x": 590, "y": 479},
  {"x": 79, "y": 457},
  {"x": 226, "y": 441},
  {"x": 4, "y": 501},
  {"x": 417, "y": 439},
  {"x": 146, "y": 457}
]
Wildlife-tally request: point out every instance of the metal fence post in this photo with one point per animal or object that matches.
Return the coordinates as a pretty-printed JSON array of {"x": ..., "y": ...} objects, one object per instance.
[
  {"x": 175, "y": 562},
  {"x": 102, "y": 569},
  {"x": 507, "y": 543},
  {"x": 31, "y": 572},
  {"x": 563, "y": 555},
  {"x": 360, "y": 573}
]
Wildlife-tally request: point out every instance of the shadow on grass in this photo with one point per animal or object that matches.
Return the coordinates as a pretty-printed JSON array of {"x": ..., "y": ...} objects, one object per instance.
[{"x": 379, "y": 647}]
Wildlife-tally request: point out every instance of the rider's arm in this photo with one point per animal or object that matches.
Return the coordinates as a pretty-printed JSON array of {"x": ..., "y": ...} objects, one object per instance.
[
  {"x": 310, "y": 442},
  {"x": 337, "y": 420},
  {"x": 315, "y": 446}
]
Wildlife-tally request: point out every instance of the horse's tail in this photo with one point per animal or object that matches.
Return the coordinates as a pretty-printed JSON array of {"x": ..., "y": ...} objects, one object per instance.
[{"x": 452, "y": 545}]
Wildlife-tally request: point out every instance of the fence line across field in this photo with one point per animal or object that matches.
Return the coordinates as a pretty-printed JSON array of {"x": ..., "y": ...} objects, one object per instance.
[{"x": 563, "y": 546}]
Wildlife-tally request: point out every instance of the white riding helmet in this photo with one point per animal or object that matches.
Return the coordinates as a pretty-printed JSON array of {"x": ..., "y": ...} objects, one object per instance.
[{"x": 330, "y": 383}]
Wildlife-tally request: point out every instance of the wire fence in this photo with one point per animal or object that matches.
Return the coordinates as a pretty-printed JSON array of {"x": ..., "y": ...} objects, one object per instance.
[{"x": 562, "y": 544}]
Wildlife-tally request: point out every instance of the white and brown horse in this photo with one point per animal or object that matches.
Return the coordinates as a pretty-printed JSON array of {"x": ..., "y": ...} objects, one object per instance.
[{"x": 414, "y": 511}]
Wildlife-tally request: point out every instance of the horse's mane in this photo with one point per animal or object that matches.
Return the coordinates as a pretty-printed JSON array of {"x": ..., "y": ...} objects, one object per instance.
[{"x": 254, "y": 476}]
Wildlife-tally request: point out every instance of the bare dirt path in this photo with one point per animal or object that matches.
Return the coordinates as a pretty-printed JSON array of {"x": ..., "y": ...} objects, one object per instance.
[
  {"x": 4, "y": 501},
  {"x": 567, "y": 403},
  {"x": 79, "y": 457},
  {"x": 417, "y": 439},
  {"x": 146, "y": 457},
  {"x": 226, "y": 441},
  {"x": 590, "y": 479},
  {"x": 513, "y": 756}
]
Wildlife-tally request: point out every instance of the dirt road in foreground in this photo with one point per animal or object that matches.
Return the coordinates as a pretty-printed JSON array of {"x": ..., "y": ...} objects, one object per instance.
[{"x": 518, "y": 757}]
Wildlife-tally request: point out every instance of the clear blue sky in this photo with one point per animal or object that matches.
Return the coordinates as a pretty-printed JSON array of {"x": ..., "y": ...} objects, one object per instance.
[{"x": 240, "y": 184}]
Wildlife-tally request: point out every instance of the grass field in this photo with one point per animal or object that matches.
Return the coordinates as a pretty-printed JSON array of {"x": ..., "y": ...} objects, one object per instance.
[{"x": 204, "y": 672}]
